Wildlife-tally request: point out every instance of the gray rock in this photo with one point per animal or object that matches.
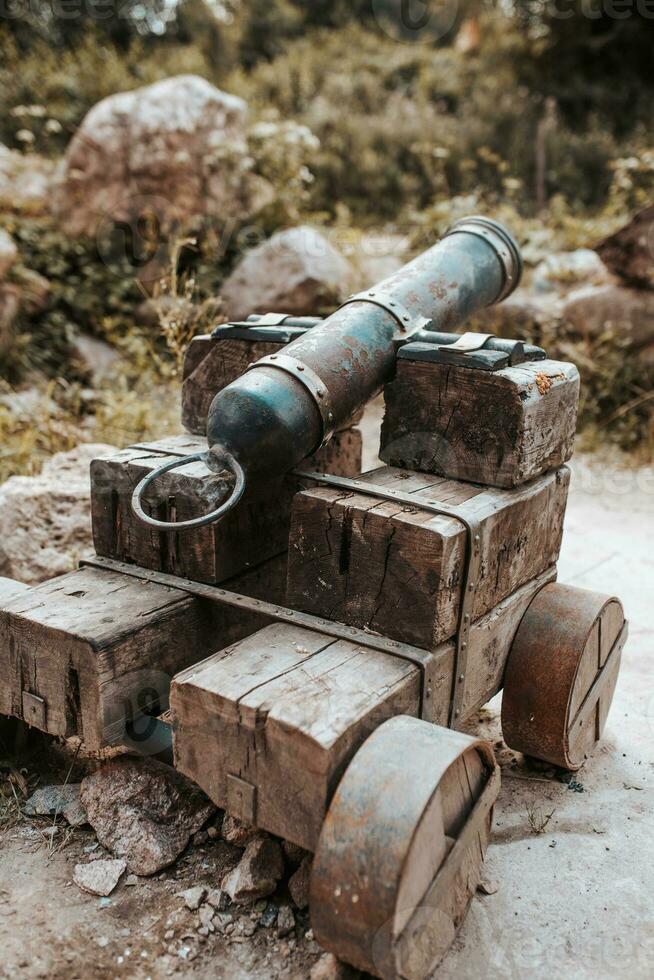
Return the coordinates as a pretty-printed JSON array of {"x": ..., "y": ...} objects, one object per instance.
[
  {"x": 523, "y": 315},
  {"x": 96, "y": 356},
  {"x": 194, "y": 897},
  {"x": 99, "y": 877},
  {"x": 175, "y": 150},
  {"x": 45, "y": 520},
  {"x": 26, "y": 181},
  {"x": 563, "y": 270},
  {"x": 296, "y": 271},
  {"x": 285, "y": 921},
  {"x": 237, "y": 832},
  {"x": 257, "y": 873},
  {"x": 594, "y": 310},
  {"x": 218, "y": 899},
  {"x": 144, "y": 811},
  {"x": 63, "y": 801},
  {"x": 298, "y": 884}
]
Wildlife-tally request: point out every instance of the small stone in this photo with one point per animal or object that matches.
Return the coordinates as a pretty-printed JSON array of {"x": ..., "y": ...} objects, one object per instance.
[
  {"x": 218, "y": 899},
  {"x": 169, "y": 934},
  {"x": 203, "y": 931},
  {"x": 51, "y": 801},
  {"x": 201, "y": 838},
  {"x": 487, "y": 886},
  {"x": 213, "y": 833},
  {"x": 99, "y": 877},
  {"x": 329, "y": 968},
  {"x": 257, "y": 873},
  {"x": 269, "y": 916},
  {"x": 285, "y": 921},
  {"x": 131, "y": 881},
  {"x": 223, "y": 921},
  {"x": 206, "y": 917},
  {"x": 193, "y": 897},
  {"x": 298, "y": 884},
  {"x": 237, "y": 832}
]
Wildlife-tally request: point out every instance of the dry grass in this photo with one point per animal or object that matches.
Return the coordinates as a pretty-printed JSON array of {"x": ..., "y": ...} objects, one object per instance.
[{"x": 538, "y": 819}]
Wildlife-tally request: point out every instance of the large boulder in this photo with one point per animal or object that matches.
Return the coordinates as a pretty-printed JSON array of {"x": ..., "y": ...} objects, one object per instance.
[
  {"x": 45, "y": 520},
  {"x": 297, "y": 271},
  {"x": 173, "y": 152},
  {"x": 25, "y": 181},
  {"x": 593, "y": 310},
  {"x": 523, "y": 315}
]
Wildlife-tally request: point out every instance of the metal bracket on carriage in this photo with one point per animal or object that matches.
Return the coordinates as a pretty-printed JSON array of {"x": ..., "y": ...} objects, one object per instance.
[
  {"x": 423, "y": 659},
  {"x": 483, "y": 351}
]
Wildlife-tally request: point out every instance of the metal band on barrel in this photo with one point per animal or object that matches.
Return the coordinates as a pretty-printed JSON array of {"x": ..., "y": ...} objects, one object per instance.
[
  {"x": 388, "y": 302},
  {"x": 502, "y": 244},
  {"x": 311, "y": 381}
]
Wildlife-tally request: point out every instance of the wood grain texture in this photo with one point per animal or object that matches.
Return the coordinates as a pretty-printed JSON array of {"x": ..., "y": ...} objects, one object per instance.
[
  {"x": 398, "y": 570},
  {"x": 286, "y": 709},
  {"x": 100, "y": 647},
  {"x": 499, "y": 428},
  {"x": 256, "y": 530}
]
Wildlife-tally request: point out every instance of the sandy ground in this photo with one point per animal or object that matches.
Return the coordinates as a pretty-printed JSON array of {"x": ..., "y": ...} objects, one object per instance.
[{"x": 574, "y": 901}]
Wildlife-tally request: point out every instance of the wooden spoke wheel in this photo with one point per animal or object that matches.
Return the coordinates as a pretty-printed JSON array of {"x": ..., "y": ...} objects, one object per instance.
[
  {"x": 561, "y": 674},
  {"x": 402, "y": 847}
]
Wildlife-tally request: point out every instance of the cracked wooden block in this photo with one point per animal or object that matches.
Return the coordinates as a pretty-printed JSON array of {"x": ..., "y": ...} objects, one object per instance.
[
  {"x": 497, "y": 428},
  {"x": 254, "y": 531},
  {"x": 398, "y": 570}
]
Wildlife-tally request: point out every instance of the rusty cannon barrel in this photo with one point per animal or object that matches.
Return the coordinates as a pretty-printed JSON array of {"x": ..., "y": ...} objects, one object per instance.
[{"x": 287, "y": 405}]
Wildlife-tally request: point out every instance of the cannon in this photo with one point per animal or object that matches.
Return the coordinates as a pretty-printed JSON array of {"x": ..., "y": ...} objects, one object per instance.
[{"x": 289, "y": 404}]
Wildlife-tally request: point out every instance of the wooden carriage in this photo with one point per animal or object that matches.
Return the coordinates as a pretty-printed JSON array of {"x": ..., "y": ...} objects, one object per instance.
[{"x": 320, "y": 649}]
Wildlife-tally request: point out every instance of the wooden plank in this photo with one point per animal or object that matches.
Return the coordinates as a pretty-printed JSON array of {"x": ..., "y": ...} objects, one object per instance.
[
  {"x": 257, "y": 529},
  {"x": 286, "y": 709},
  {"x": 398, "y": 570},
  {"x": 499, "y": 428},
  {"x": 98, "y": 648}
]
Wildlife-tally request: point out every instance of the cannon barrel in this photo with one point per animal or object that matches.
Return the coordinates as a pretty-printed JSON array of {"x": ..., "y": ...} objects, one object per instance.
[{"x": 289, "y": 404}]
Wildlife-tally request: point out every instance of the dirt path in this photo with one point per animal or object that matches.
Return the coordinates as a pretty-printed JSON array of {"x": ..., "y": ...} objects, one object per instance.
[{"x": 575, "y": 901}]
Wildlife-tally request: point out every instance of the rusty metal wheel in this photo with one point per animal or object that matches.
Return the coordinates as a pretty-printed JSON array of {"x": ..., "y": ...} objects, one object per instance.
[
  {"x": 401, "y": 851},
  {"x": 561, "y": 674}
]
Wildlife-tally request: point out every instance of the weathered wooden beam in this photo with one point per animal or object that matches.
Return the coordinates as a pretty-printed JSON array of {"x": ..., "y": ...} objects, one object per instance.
[
  {"x": 497, "y": 428},
  {"x": 398, "y": 570},
  {"x": 85, "y": 653}
]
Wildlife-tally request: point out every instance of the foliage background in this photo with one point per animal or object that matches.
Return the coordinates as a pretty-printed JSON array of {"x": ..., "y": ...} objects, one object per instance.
[{"x": 358, "y": 123}]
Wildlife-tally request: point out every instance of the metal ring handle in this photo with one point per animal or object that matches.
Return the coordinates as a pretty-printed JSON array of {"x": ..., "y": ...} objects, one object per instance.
[{"x": 224, "y": 457}]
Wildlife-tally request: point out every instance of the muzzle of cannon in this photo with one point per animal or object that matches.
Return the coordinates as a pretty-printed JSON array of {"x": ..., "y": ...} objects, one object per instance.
[{"x": 287, "y": 405}]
